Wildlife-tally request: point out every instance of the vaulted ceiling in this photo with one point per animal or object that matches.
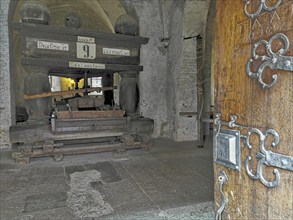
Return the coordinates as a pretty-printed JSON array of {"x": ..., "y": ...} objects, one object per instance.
[{"x": 96, "y": 15}]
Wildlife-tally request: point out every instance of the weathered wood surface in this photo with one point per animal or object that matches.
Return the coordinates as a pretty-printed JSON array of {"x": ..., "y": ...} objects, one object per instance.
[
  {"x": 38, "y": 30},
  {"x": 24, "y": 157},
  {"x": 27, "y": 133},
  {"x": 91, "y": 114},
  {"x": 115, "y": 123},
  {"x": 40, "y": 41},
  {"x": 55, "y": 64},
  {"x": 236, "y": 93}
]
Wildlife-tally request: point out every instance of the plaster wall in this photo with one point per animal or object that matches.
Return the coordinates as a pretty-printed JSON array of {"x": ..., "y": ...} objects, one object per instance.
[{"x": 5, "y": 91}]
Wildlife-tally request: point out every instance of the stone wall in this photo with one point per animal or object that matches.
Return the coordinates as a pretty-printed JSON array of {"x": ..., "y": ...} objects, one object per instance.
[
  {"x": 152, "y": 80},
  {"x": 168, "y": 90},
  {"x": 186, "y": 23},
  {"x": 5, "y": 94},
  {"x": 174, "y": 61}
]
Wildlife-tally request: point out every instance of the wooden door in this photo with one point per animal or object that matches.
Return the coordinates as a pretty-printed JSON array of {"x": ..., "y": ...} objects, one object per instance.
[{"x": 255, "y": 105}]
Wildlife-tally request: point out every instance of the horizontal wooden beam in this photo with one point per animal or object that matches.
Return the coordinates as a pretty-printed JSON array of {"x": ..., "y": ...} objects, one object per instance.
[
  {"x": 90, "y": 114},
  {"x": 54, "y": 64},
  {"x": 76, "y": 150},
  {"x": 39, "y": 30},
  {"x": 69, "y": 92}
]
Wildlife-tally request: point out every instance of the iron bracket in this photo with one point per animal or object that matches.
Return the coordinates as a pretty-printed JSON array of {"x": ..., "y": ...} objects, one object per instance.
[
  {"x": 224, "y": 200},
  {"x": 265, "y": 156},
  {"x": 273, "y": 60},
  {"x": 262, "y": 5}
]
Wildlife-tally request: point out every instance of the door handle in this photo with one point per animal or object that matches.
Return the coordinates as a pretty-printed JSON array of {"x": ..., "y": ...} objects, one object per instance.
[{"x": 222, "y": 179}]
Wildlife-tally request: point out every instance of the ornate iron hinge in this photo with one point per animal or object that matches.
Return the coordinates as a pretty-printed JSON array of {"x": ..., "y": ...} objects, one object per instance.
[
  {"x": 265, "y": 156},
  {"x": 262, "y": 5},
  {"x": 222, "y": 180},
  {"x": 272, "y": 60}
]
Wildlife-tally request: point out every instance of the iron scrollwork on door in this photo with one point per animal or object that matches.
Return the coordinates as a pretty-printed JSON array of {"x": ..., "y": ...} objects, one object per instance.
[
  {"x": 272, "y": 60},
  {"x": 266, "y": 157},
  {"x": 262, "y": 5}
]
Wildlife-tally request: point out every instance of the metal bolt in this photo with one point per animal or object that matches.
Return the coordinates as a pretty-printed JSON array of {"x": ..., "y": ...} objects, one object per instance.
[
  {"x": 288, "y": 63},
  {"x": 284, "y": 162},
  {"x": 274, "y": 60}
]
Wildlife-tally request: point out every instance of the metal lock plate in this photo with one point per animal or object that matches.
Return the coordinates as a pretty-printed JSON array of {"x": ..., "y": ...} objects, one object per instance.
[{"x": 227, "y": 149}]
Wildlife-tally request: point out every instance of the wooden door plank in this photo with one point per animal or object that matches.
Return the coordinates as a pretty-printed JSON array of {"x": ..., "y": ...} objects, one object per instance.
[
  {"x": 231, "y": 93},
  {"x": 236, "y": 93},
  {"x": 280, "y": 100}
]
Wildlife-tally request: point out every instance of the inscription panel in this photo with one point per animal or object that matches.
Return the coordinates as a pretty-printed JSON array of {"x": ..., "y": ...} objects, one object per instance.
[
  {"x": 52, "y": 45},
  {"x": 86, "y": 39},
  {"x": 116, "y": 52},
  {"x": 86, "y": 65},
  {"x": 265, "y": 25}
]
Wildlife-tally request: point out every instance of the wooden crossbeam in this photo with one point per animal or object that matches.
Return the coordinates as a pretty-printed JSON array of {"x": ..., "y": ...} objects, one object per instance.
[{"x": 69, "y": 92}]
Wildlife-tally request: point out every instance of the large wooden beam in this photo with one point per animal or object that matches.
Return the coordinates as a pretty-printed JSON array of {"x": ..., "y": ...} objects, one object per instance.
[
  {"x": 90, "y": 114},
  {"x": 56, "y": 64},
  {"x": 61, "y": 33},
  {"x": 59, "y": 152}
]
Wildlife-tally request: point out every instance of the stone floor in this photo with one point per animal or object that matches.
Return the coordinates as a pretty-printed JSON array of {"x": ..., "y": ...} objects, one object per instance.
[{"x": 172, "y": 181}]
